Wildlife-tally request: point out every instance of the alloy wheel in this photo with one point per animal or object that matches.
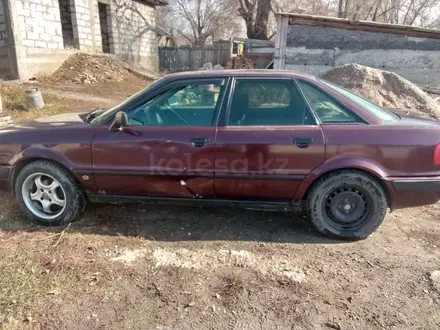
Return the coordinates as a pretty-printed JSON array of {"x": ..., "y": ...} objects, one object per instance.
[{"x": 44, "y": 196}]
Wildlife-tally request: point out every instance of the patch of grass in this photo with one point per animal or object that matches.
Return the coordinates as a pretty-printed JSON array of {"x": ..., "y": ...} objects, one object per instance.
[
  {"x": 232, "y": 289},
  {"x": 10, "y": 324},
  {"x": 15, "y": 105},
  {"x": 14, "y": 100},
  {"x": 25, "y": 281},
  {"x": 48, "y": 110}
]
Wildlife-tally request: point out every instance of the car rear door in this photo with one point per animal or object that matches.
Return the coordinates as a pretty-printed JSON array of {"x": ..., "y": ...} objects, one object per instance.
[
  {"x": 167, "y": 149},
  {"x": 267, "y": 141}
]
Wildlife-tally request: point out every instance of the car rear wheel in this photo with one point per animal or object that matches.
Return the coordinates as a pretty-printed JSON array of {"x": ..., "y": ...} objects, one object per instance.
[
  {"x": 48, "y": 194},
  {"x": 347, "y": 205}
]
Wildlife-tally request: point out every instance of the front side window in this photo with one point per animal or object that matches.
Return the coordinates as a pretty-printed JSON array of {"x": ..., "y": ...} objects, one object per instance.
[
  {"x": 103, "y": 117},
  {"x": 267, "y": 103},
  {"x": 187, "y": 105},
  {"x": 327, "y": 109}
]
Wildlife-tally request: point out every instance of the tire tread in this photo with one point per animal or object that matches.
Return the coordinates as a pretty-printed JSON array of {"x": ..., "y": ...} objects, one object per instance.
[
  {"x": 78, "y": 201},
  {"x": 373, "y": 186}
]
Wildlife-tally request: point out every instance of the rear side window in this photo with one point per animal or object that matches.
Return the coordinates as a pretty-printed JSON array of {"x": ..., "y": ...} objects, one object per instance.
[
  {"x": 381, "y": 113},
  {"x": 275, "y": 102},
  {"x": 328, "y": 110}
]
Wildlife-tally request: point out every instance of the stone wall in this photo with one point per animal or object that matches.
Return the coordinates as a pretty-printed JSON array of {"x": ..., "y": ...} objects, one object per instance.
[{"x": 316, "y": 49}]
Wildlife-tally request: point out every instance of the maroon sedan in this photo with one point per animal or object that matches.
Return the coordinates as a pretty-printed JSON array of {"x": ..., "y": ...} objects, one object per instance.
[{"x": 260, "y": 139}]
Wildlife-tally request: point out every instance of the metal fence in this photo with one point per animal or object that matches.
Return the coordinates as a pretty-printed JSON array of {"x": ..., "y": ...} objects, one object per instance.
[{"x": 187, "y": 58}]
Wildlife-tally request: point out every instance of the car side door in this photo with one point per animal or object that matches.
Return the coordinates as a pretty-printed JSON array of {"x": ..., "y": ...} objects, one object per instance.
[
  {"x": 167, "y": 150},
  {"x": 268, "y": 141}
]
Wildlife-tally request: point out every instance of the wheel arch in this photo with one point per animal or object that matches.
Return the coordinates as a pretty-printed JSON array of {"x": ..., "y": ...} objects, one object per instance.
[
  {"x": 362, "y": 165},
  {"x": 20, "y": 164}
]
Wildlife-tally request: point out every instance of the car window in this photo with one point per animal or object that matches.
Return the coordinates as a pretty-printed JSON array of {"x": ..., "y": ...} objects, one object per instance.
[
  {"x": 267, "y": 103},
  {"x": 188, "y": 105},
  {"x": 104, "y": 116},
  {"x": 375, "y": 110},
  {"x": 328, "y": 110}
]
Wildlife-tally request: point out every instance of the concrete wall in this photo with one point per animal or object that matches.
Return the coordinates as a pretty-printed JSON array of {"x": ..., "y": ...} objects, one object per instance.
[
  {"x": 316, "y": 49},
  {"x": 105, "y": 27},
  {"x": 39, "y": 24},
  {"x": 7, "y": 58},
  {"x": 86, "y": 25},
  {"x": 66, "y": 9},
  {"x": 38, "y": 36},
  {"x": 42, "y": 45},
  {"x": 131, "y": 32}
]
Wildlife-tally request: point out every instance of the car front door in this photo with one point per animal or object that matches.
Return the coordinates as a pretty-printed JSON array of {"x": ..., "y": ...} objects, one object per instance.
[
  {"x": 168, "y": 147},
  {"x": 268, "y": 143}
]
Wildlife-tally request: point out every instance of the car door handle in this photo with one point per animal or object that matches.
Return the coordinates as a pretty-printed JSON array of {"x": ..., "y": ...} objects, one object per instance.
[
  {"x": 199, "y": 142},
  {"x": 303, "y": 142}
]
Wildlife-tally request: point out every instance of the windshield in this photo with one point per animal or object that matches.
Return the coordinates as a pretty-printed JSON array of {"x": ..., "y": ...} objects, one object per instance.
[
  {"x": 381, "y": 113},
  {"x": 108, "y": 113}
]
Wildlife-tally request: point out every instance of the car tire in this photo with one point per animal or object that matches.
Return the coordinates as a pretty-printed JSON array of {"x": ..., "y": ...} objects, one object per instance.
[
  {"x": 348, "y": 205},
  {"x": 48, "y": 194}
]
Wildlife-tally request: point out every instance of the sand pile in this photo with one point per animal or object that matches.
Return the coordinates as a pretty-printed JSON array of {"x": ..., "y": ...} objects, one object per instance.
[
  {"x": 89, "y": 69},
  {"x": 385, "y": 88}
]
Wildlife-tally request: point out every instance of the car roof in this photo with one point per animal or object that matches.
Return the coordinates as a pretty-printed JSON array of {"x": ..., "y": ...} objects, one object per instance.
[{"x": 238, "y": 73}]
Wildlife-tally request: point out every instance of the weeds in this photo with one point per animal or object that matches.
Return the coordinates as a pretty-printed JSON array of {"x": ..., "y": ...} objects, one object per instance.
[
  {"x": 15, "y": 100},
  {"x": 26, "y": 280},
  {"x": 15, "y": 105}
]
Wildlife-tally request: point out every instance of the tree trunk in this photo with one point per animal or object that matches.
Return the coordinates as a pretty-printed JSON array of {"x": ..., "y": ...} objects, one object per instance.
[
  {"x": 341, "y": 7},
  {"x": 250, "y": 29},
  {"x": 257, "y": 29}
]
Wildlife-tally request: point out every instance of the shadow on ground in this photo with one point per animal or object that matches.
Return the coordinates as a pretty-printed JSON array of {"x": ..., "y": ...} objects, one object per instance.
[{"x": 179, "y": 223}]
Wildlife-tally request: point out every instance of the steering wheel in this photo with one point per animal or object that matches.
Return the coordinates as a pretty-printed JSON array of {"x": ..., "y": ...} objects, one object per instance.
[{"x": 167, "y": 107}]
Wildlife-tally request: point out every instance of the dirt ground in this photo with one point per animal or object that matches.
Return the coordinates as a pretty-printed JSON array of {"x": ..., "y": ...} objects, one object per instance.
[
  {"x": 82, "y": 97},
  {"x": 161, "y": 267}
]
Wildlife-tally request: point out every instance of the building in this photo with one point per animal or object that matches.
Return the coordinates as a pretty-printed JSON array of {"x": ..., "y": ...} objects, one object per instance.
[
  {"x": 315, "y": 44},
  {"x": 165, "y": 38},
  {"x": 38, "y": 35}
]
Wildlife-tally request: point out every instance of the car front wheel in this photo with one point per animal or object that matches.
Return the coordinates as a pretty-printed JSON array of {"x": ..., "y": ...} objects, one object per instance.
[
  {"x": 48, "y": 194},
  {"x": 348, "y": 205}
]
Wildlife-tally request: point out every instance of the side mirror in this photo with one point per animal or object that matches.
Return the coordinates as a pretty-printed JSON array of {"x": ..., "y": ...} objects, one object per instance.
[{"x": 120, "y": 121}]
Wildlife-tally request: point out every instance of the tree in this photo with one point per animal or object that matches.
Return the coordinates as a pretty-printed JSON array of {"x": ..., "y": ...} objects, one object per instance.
[
  {"x": 197, "y": 20},
  {"x": 260, "y": 19},
  {"x": 406, "y": 12},
  {"x": 256, "y": 16}
]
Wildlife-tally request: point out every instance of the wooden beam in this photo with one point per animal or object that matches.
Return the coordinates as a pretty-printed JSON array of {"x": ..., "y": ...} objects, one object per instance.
[{"x": 355, "y": 25}]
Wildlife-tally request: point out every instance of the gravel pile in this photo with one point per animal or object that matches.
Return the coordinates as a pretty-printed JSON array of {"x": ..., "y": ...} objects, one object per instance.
[{"x": 89, "y": 69}]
